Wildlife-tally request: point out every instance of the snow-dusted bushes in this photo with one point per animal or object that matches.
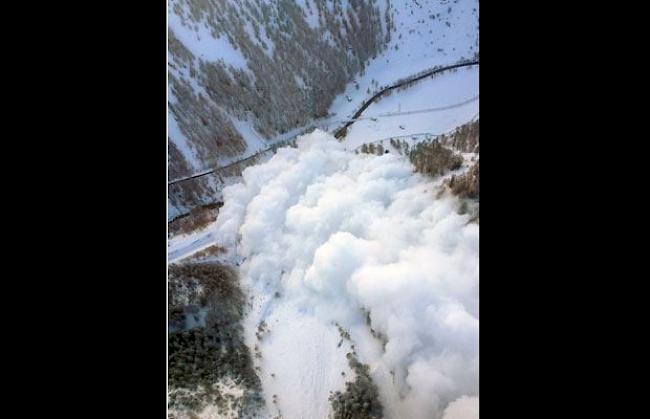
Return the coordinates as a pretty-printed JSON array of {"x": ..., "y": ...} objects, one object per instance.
[
  {"x": 433, "y": 159},
  {"x": 198, "y": 218},
  {"x": 466, "y": 185},
  {"x": 465, "y": 138},
  {"x": 203, "y": 123},
  {"x": 360, "y": 400},
  {"x": 203, "y": 354}
]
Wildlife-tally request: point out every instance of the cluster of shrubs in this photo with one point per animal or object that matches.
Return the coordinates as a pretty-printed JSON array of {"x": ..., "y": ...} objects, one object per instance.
[
  {"x": 176, "y": 318},
  {"x": 209, "y": 251},
  {"x": 433, "y": 159},
  {"x": 401, "y": 146},
  {"x": 373, "y": 148},
  {"x": 465, "y": 138},
  {"x": 262, "y": 330},
  {"x": 203, "y": 283},
  {"x": 201, "y": 357},
  {"x": 429, "y": 157},
  {"x": 193, "y": 355},
  {"x": 360, "y": 400},
  {"x": 198, "y": 218},
  {"x": 467, "y": 184},
  {"x": 344, "y": 333}
]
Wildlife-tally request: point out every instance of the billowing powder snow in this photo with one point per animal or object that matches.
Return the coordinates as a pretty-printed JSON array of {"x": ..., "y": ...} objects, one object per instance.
[
  {"x": 463, "y": 408},
  {"x": 324, "y": 233}
]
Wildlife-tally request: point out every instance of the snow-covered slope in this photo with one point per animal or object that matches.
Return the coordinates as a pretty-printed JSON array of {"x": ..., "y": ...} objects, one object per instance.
[
  {"x": 425, "y": 34},
  {"x": 300, "y": 362},
  {"x": 433, "y": 96},
  {"x": 243, "y": 74},
  {"x": 256, "y": 69}
]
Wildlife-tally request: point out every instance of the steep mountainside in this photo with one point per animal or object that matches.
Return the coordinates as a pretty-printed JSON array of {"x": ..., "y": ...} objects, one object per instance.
[
  {"x": 245, "y": 74},
  {"x": 260, "y": 68}
]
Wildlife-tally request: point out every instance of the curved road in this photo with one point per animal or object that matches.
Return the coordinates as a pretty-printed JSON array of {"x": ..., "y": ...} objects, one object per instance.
[{"x": 340, "y": 133}]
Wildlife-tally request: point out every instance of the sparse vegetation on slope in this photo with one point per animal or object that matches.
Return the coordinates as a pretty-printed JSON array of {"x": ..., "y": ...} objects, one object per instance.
[
  {"x": 464, "y": 138},
  {"x": 209, "y": 131},
  {"x": 360, "y": 400},
  {"x": 198, "y": 218},
  {"x": 467, "y": 184},
  {"x": 293, "y": 70},
  {"x": 433, "y": 159}
]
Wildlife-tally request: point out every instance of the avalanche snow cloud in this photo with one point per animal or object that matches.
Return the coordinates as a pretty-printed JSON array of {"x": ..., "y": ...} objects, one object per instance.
[{"x": 338, "y": 235}]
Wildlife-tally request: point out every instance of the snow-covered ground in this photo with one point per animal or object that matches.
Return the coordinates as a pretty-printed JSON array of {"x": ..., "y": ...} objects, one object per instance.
[
  {"x": 182, "y": 246},
  {"x": 446, "y": 89},
  {"x": 301, "y": 362},
  {"x": 198, "y": 39},
  {"x": 419, "y": 43}
]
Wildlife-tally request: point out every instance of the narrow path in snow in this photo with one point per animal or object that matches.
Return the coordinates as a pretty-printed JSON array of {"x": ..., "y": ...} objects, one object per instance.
[{"x": 183, "y": 246}]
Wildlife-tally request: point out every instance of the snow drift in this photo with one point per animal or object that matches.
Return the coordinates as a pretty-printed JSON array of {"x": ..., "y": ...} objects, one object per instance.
[{"x": 340, "y": 235}]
